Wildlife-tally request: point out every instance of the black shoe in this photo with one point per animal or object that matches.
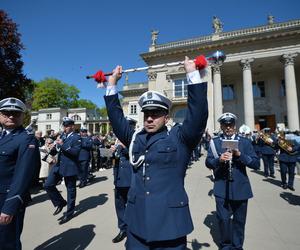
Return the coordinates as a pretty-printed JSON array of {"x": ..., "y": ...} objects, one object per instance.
[
  {"x": 119, "y": 237},
  {"x": 291, "y": 188},
  {"x": 272, "y": 176},
  {"x": 59, "y": 208},
  {"x": 81, "y": 185},
  {"x": 284, "y": 186},
  {"x": 65, "y": 219}
]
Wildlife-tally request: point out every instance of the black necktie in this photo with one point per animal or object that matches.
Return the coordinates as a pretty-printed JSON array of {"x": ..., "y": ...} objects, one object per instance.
[{"x": 3, "y": 134}]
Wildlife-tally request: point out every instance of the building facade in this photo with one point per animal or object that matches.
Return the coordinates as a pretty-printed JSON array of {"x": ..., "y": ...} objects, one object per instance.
[
  {"x": 51, "y": 119},
  {"x": 259, "y": 80}
]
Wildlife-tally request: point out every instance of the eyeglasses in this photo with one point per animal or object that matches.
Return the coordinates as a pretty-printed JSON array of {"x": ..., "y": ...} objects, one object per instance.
[
  {"x": 155, "y": 113},
  {"x": 10, "y": 113}
]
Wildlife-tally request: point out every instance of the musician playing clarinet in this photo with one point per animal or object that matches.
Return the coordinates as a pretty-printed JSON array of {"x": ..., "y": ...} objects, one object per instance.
[
  {"x": 157, "y": 212},
  {"x": 231, "y": 185}
]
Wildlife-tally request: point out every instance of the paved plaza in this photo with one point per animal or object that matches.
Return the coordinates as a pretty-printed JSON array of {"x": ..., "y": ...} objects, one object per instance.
[{"x": 272, "y": 224}]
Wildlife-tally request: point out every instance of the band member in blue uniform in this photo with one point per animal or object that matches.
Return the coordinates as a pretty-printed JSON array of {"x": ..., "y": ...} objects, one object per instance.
[
  {"x": 68, "y": 146},
  {"x": 231, "y": 186},
  {"x": 19, "y": 161},
  {"x": 288, "y": 154},
  {"x": 122, "y": 179},
  {"x": 267, "y": 143},
  {"x": 157, "y": 212},
  {"x": 84, "y": 157}
]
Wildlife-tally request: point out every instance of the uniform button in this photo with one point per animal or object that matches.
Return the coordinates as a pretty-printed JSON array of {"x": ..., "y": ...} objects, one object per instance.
[
  {"x": 147, "y": 193},
  {"x": 146, "y": 151},
  {"x": 181, "y": 203},
  {"x": 147, "y": 164},
  {"x": 147, "y": 178}
]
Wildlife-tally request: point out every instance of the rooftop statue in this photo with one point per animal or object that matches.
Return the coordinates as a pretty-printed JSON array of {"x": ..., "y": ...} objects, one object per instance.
[{"x": 217, "y": 25}]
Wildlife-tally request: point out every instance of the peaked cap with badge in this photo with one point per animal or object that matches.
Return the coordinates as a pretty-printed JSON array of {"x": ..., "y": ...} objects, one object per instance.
[
  {"x": 12, "y": 104},
  {"x": 68, "y": 121},
  {"x": 227, "y": 118},
  {"x": 152, "y": 100}
]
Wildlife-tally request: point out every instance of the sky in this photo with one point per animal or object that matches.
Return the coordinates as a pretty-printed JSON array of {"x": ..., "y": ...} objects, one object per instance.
[{"x": 69, "y": 39}]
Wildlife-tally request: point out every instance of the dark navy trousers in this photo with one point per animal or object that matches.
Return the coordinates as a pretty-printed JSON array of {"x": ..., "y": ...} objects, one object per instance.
[
  {"x": 120, "y": 205},
  {"x": 134, "y": 242},
  {"x": 268, "y": 164},
  {"x": 287, "y": 168},
  {"x": 54, "y": 194},
  {"x": 232, "y": 230},
  {"x": 83, "y": 171},
  {"x": 10, "y": 234}
]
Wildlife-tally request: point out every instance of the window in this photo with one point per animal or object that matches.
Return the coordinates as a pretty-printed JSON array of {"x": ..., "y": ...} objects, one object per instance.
[
  {"x": 180, "y": 88},
  {"x": 258, "y": 89},
  {"x": 48, "y": 127},
  {"x": 228, "y": 92},
  {"x": 49, "y": 116},
  {"x": 179, "y": 115},
  {"x": 133, "y": 109},
  {"x": 76, "y": 118},
  {"x": 282, "y": 88}
]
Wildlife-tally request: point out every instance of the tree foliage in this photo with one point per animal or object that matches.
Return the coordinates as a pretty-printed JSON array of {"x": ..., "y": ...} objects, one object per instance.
[
  {"x": 51, "y": 93},
  {"x": 12, "y": 80}
]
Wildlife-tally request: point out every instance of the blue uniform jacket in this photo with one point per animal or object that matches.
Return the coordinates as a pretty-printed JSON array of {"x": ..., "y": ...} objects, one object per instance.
[
  {"x": 86, "y": 148},
  {"x": 266, "y": 149},
  {"x": 123, "y": 169},
  {"x": 239, "y": 188},
  {"x": 19, "y": 161},
  {"x": 158, "y": 206},
  {"x": 68, "y": 163},
  {"x": 286, "y": 157}
]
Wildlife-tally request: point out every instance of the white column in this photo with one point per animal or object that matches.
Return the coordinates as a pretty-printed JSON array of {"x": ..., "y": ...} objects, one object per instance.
[
  {"x": 217, "y": 99},
  {"x": 291, "y": 91},
  {"x": 248, "y": 93}
]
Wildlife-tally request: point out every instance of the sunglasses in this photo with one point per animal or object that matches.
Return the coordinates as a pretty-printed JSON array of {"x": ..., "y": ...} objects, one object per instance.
[{"x": 10, "y": 113}]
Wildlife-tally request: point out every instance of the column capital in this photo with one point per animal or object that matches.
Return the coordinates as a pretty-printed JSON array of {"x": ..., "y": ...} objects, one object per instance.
[
  {"x": 246, "y": 63},
  {"x": 152, "y": 76},
  {"x": 216, "y": 68},
  {"x": 288, "y": 59}
]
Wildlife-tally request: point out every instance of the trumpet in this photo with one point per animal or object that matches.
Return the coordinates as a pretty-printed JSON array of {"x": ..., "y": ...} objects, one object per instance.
[
  {"x": 266, "y": 139},
  {"x": 285, "y": 145}
]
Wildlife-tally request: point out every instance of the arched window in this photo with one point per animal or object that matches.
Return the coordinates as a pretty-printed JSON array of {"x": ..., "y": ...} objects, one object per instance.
[
  {"x": 179, "y": 115},
  {"x": 76, "y": 118}
]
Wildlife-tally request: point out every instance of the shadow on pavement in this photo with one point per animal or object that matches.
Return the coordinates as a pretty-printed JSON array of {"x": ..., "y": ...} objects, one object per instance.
[
  {"x": 98, "y": 179},
  {"x": 259, "y": 172},
  {"x": 291, "y": 198},
  {"x": 273, "y": 181},
  {"x": 210, "y": 177},
  {"x": 70, "y": 239},
  {"x": 197, "y": 245},
  {"x": 211, "y": 193},
  {"x": 90, "y": 203},
  {"x": 39, "y": 198},
  {"x": 212, "y": 223}
]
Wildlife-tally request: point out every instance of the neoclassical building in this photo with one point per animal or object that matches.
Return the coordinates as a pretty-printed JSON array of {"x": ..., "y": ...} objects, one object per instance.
[
  {"x": 51, "y": 119},
  {"x": 259, "y": 80}
]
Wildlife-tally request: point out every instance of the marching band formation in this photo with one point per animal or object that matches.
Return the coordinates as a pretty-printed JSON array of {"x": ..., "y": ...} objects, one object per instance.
[{"x": 149, "y": 166}]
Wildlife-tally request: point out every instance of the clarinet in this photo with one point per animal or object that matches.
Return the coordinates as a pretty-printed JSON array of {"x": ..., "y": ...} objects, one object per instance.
[{"x": 230, "y": 174}]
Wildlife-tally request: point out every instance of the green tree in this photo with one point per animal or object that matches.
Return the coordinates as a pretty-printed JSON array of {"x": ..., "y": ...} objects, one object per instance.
[
  {"x": 12, "y": 80},
  {"x": 103, "y": 112},
  {"x": 50, "y": 93},
  {"x": 83, "y": 103}
]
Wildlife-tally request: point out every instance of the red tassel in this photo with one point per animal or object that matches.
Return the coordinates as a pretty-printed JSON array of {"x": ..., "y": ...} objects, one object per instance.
[
  {"x": 200, "y": 62},
  {"x": 99, "y": 77}
]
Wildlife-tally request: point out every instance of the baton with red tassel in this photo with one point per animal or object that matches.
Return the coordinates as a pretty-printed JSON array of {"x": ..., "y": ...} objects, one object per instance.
[{"x": 200, "y": 62}]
